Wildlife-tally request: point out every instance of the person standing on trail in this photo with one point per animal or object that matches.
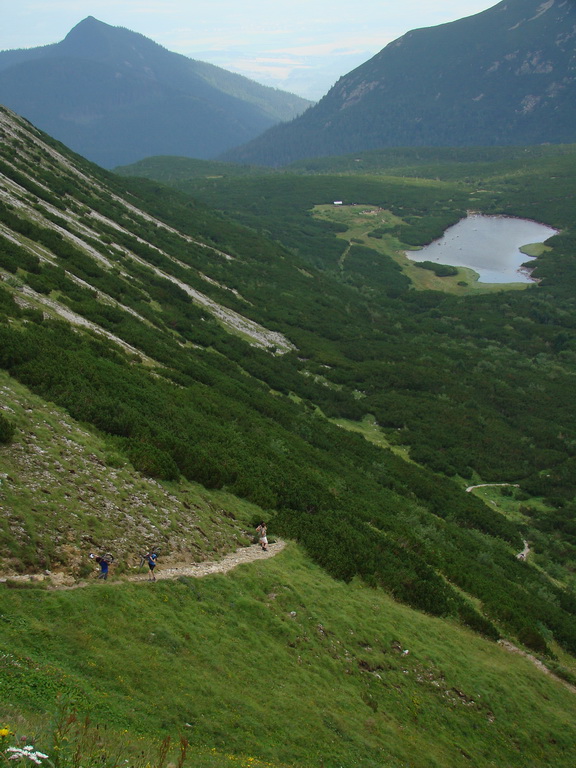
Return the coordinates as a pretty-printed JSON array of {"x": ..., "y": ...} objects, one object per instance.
[
  {"x": 263, "y": 537},
  {"x": 151, "y": 558},
  {"x": 104, "y": 564}
]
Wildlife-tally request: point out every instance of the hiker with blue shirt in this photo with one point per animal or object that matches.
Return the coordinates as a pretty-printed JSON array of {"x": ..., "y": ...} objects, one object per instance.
[
  {"x": 104, "y": 563},
  {"x": 103, "y": 568},
  {"x": 151, "y": 558}
]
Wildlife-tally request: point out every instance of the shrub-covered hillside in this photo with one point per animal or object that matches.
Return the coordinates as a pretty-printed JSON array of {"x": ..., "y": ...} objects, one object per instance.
[{"x": 202, "y": 350}]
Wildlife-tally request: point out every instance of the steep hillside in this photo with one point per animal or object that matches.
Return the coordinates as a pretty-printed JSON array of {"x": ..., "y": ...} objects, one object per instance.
[
  {"x": 66, "y": 492},
  {"x": 504, "y": 76},
  {"x": 199, "y": 351},
  {"x": 273, "y": 665},
  {"x": 115, "y": 96}
]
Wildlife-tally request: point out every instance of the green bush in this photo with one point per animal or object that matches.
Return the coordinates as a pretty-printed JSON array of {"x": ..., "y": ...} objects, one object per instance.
[
  {"x": 6, "y": 430},
  {"x": 441, "y": 270},
  {"x": 152, "y": 461}
]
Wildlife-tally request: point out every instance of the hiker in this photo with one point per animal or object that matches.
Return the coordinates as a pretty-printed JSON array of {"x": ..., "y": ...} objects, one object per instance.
[
  {"x": 263, "y": 538},
  {"x": 104, "y": 564},
  {"x": 151, "y": 558}
]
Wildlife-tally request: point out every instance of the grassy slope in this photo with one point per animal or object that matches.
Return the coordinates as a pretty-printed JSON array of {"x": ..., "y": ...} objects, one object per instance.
[
  {"x": 278, "y": 661},
  {"x": 335, "y": 689},
  {"x": 62, "y": 482}
]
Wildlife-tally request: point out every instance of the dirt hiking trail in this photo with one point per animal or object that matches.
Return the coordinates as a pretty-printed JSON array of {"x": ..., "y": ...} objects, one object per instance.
[
  {"x": 171, "y": 570},
  {"x": 229, "y": 561},
  {"x": 537, "y": 663}
]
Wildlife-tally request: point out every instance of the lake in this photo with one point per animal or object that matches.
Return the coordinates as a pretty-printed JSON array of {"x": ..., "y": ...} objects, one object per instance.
[{"x": 490, "y": 245}]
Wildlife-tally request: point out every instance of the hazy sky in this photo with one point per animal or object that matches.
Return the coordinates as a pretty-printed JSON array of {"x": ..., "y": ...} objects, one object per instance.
[{"x": 302, "y": 46}]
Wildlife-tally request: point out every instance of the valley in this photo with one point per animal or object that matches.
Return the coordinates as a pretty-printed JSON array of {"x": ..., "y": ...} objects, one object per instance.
[
  {"x": 182, "y": 358},
  {"x": 244, "y": 315}
]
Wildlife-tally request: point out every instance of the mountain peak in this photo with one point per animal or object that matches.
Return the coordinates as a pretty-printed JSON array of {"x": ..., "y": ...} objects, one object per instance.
[
  {"x": 89, "y": 24},
  {"x": 116, "y": 96},
  {"x": 89, "y": 20},
  {"x": 88, "y": 39}
]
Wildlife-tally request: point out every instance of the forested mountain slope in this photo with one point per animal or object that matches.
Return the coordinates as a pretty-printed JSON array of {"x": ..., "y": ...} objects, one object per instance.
[
  {"x": 505, "y": 76},
  {"x": 115, "y": 96},
  {"x": 454, "y": 375},
  {"x": 200, "y": 349}
]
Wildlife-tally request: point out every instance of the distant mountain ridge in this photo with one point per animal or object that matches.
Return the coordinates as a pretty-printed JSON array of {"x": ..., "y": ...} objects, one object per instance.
[
  {"x": 501, "y": 77},
  {"x": 116, "y": 96}
]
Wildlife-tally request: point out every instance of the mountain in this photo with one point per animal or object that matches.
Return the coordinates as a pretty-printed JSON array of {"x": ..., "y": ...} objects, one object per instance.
[
  {"x": 115, "y": 96},
  {"x": 170, "y": 377},
  {"x": 506, "y": 76}
]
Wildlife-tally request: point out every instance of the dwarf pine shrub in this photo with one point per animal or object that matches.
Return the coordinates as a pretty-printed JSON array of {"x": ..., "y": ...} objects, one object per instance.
[{"x": 6, "y": 430}]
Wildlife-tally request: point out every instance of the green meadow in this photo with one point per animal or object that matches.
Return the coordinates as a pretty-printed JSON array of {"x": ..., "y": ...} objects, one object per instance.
[{"x": 279, "y": 663}]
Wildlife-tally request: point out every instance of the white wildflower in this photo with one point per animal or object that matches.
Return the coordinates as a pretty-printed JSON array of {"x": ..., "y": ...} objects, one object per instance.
[{"x": 28, "y": 752}]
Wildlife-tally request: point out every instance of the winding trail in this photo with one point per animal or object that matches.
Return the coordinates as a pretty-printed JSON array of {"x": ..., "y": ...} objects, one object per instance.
[
  {"x": 228, "y": 562},
  {"x": 490, "y": 485},
  {"x": 170, "y": 571},
  {"x": 525, "y": 552},
  {"x": 537, "y": 663}
]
